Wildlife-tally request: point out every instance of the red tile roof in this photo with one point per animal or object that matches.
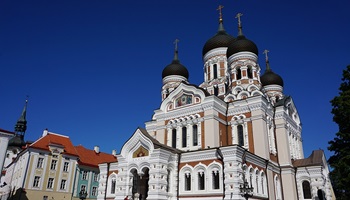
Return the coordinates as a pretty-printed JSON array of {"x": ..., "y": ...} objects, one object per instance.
[
  {"x": 52, "y": 138},
  {"x": 91, "y": 158}
]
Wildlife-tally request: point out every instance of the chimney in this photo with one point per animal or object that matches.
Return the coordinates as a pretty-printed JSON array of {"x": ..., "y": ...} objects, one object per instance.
[
  {"x": 97, "y": 149},
  {"x": 45, "y": 132},
  {"x": 114, "y": 152}
]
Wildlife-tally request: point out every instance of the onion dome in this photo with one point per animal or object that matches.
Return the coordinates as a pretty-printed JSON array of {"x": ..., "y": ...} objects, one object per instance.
[
  {"x": 241, "y": 43},
  {"x": 269, "y": 77},
  {"x": 175, "y": 67},
  {"x": 220, "y": 39},
  {"x": 17, "y": 141}
]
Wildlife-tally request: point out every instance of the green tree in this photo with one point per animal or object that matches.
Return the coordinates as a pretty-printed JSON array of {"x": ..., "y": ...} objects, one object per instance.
[{"x": 340, "y": 145}]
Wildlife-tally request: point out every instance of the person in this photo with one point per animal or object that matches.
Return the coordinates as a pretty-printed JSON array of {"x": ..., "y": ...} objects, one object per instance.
[{"x": 126, "y": 198}]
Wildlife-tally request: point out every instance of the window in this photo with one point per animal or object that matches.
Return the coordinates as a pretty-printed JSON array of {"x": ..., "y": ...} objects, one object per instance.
[
  {"x": 53, "y": 164},
  {"x": 187, "y": 182},
  {"x": 94, "y": 191},
  {"x": 306, "y": 190},
  {"x": 82, "y": 188},
  {"x": 239, "y": 74},
  {"x": 113, "y": 186},
  {"x": 63, "y": 184},
  {"x": 40, "y": 163},
  {"x": 216, "y": 183},
  {"x": 65, "y": 166},
  {"x": 195, "y": 135},
  {"x": 184, "y": 137},
  {"x": 201, "y": 181},
  {"x": 168, "y": 181},
  {"x": 84, "y": 175},
  {"x": 95, "y": 177},
  {"x": 215, "y": 69},
  {"x": 250, "y": 72},
  {"x": 216, "y": 90},
  {"x": 173, "y": 138},
  {"x": 240, "y": 135},
  {"x": 50, "y": 183},
  {"x": 36, "y": 181}
]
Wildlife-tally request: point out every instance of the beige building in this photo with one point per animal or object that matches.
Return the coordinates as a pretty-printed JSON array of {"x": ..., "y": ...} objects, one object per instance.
[{"x": 45, "y": 168}]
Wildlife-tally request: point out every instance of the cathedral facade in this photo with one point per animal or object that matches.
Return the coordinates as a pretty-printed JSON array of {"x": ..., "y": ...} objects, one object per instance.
[{"x": 234, "y": 136}]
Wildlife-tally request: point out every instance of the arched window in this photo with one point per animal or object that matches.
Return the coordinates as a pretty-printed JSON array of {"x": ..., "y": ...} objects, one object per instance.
[
  {"x": 113, "y": 185},
  {"x": 215, "y": 177},
  {"x": 306, "y": 190},
  {"x": 239, "y": 74},
  {"x": 173, "y": 138},
  {"x": 187, "y": 181},
  {"x": 195, "y": 135},
  {"x": 215, "y": 70},
  {"x": 184, "y": 137},
  {"x": 201, "y": 181},
  {"x": 240, "y": 135},
  {"x": 216, "y": 91},
  {"x": 250, "y": 72}
]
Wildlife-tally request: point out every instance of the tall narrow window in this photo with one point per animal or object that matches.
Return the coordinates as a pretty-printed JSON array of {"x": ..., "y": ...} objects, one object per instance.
[
  {"x": 250, "y": 72},
  {"x": 40, "y": 163},
  {"x": 50, "y": 183},
  {"x": 215, "y": 70},
  {"x": 63, "y": 184},
  {"x": 187, "y": 182},
  {"x": 65, "y": 166},
  {"x": 168, "y": 181},
  {"x": 184, "y": 137},
  {"x": 94, "y": 191},
  {"x": 95, "y": 176},
  {"x": 216, "y": 183},
  {"x": 113, "y": 186},
  {"x": 84, "y": 177},
  {"x": 306, "y": 190},
  {"x": 239, "y": 74},
  {"x": 53, "y": 164},
  {"x": 195, "y": 135},
  {"x": 201, "y": 181},
  {"x": 240, "y": 135},
  {"x": 36, "y": 181},
  {"x": 173, "y": 138}
]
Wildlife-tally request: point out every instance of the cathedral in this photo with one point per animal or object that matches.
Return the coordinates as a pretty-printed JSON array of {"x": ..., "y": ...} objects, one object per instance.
[{"x": 237, "y": 135}]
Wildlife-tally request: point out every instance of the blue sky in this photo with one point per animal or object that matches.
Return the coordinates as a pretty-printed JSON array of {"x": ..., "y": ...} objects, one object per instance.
[{"x": 93, "y": 69}]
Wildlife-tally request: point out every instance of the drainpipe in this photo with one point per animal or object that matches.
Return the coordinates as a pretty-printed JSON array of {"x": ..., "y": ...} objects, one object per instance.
[
  {"x": 107, "y": 180},
  {"x": 25, "y": 175},
  {"x": 221, "y": 158},
  {"x": 75, "y": 177},
  {"x": 267, "y": 179},
  {"x": 178, "y": 175},
  {"x": 296, "y": 183}
]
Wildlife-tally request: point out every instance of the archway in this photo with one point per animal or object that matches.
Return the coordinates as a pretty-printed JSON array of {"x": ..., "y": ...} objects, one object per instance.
[{"x": 140, "y": 184}]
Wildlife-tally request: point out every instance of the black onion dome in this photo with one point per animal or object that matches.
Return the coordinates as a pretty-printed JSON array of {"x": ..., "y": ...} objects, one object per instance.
[
  {"x": 220, "y": 39},
  {"x": 16, "y": 141},
  {"x": 271, "y": 78},
  {"x": 175, "y": 68},
  {"x": 241, "y": 44}
]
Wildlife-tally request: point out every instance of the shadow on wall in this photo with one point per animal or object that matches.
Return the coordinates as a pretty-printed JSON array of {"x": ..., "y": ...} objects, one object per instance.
[{"x": 20, "y": 194}]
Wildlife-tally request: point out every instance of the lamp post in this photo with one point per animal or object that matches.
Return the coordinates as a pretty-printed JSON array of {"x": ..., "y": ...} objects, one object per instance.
[
  {"x": 82, "y": 194},
  {"x": 245, "y": 189}
]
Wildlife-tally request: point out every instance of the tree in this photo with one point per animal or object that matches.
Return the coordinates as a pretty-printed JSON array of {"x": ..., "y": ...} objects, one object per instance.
[{"x": 340, "y": 145}]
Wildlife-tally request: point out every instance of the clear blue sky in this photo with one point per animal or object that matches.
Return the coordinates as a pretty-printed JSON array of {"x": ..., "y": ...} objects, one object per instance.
[{"x": 93, "y": 69}]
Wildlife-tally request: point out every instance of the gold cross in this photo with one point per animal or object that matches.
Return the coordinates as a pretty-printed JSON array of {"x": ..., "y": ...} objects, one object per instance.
[
  {"x": 175, "y": 42},
  {"x": 220, "y": 10},
  {"x": 238, "y": 16},
  {"x": 266, "y": 56}
]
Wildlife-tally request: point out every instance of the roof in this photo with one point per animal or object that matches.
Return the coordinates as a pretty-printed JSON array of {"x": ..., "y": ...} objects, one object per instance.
[
  {"x": 55, "y": 139},
  {"x": 89, "y": 157},
  {"x": 315, "y": 159},
  {"x": 6, "y": 131},
  {"x": 157, "y": 144}
]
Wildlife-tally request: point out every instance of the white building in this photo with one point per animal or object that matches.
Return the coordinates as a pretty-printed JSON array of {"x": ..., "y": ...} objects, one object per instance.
[{"x": 205, "y": 141}]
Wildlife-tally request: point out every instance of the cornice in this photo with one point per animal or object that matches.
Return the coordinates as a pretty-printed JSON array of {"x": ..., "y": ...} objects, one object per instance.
[{"x": 221, "y": 51}]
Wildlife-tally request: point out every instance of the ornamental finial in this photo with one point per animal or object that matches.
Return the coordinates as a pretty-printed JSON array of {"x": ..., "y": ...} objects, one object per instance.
[
  {"x": 220, "y": 11},
  {"x": 238, "y": 16}
]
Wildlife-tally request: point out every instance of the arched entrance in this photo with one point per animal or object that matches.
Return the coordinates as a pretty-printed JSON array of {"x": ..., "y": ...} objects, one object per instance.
[{"x": 140, "y": 184}]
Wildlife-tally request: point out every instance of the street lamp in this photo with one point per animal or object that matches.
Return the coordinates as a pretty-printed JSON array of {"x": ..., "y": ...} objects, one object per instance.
[
  {"x": 82, "y": 194},
  {"x": 245, "y": 189}
]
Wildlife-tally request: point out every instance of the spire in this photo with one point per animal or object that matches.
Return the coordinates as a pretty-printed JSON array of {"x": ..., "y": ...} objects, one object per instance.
[
  {"x": 176, "y": 56},
  {"x": 21, "y": 125},
  {"x": 267, "y": 60},
  {"x": 221, "y": 26},
  {"x": 238, "y": 16}
]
